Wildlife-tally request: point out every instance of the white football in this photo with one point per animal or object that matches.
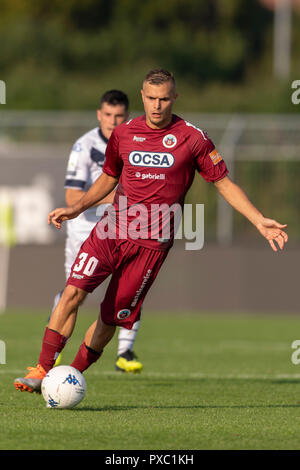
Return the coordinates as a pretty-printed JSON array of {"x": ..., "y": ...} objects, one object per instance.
[{"x": 63, "y": 387}]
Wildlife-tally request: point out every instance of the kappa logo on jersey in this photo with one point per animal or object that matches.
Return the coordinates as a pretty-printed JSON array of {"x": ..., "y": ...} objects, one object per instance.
[
  {"x": 139, "y": 139},
  {"x": 77, "y": 147},
  {"x": 169, "y": 141},
  {"x": 122, "y": 314},
  {"x": 215, "y": 157},
  {"x": 151, "y": 159}
]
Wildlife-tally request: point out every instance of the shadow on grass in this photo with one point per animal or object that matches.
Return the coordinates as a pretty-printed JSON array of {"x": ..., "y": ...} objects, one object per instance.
[
  {"x": 181, "y": 407},
  {"x": 169, "y": 380},
  {"x": 285, "y": 381}
]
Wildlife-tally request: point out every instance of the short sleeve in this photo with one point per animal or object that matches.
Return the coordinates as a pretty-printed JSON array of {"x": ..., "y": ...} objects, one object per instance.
[
  {"x": 209, "y": 162},
  {"x": 113, "y": 162},
  {"x": 78, "y": 167}
]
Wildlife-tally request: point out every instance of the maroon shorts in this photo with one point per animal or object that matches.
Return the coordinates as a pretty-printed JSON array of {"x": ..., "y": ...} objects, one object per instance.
[{"x": 133, "y": 268}]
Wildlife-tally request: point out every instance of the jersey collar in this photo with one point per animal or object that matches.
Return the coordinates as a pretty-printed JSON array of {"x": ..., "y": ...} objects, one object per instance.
[{"x": 102, "y": 136}]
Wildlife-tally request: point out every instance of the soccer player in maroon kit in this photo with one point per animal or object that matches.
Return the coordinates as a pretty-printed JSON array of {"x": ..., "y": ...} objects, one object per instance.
[{"x": 153, "y": 160}]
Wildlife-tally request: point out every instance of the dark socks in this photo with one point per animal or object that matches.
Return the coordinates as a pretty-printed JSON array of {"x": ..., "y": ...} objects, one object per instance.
[{"x": 85, "y": 357}]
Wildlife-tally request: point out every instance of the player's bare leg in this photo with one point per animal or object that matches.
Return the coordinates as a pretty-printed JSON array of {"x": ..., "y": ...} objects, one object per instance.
[
  {"x": 63, "y": 318},
  {"x": 99, "y": 335},
  {"x": 96, "y": 338}
]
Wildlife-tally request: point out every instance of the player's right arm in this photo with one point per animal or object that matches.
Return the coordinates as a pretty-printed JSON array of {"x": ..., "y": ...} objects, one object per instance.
[
  {"x": 74, "y": 195},
  {"x": 104, "y": 185}
]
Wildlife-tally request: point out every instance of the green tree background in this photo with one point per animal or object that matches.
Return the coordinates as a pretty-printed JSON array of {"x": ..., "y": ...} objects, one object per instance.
[
  {"x": 60, "y": 55},
  {"x": 64, "y": 54}
]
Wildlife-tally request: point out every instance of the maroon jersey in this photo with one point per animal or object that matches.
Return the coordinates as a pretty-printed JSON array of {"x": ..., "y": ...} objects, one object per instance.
[{"x": 156, "y": 168}]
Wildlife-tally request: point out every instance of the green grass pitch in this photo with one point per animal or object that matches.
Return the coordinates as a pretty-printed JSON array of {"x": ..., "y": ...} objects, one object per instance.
[{"x": 210, "y": 381}]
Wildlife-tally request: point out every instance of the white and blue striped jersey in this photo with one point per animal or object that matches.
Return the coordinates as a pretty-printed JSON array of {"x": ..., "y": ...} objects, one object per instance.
[{"x": 84, "y": 167}]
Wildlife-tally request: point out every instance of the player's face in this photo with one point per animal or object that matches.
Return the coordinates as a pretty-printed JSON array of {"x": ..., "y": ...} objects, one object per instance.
[
  {"x": 158, "y": 102},
  {"x": 110, "y": 116}
]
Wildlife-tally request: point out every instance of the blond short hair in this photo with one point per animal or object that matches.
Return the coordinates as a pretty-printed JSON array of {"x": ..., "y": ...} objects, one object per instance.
[{"x": 159, "y": 76}]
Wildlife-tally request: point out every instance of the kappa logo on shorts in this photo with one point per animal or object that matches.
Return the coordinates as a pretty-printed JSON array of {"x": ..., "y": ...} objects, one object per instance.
[
  {"x": 77, "y": 276},
  {"x": 122, "y": 314}
]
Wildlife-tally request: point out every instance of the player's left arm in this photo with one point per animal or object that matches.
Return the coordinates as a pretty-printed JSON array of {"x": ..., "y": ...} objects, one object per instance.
[
  {"x": 269, "y": 228},
  {"x": 100, "y": 189}
]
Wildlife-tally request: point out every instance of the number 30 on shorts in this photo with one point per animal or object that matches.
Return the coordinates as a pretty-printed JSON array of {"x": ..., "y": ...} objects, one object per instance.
[{"x": 89, "y": 265}]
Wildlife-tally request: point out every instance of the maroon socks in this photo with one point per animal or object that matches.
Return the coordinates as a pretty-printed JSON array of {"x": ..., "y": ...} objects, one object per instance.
[
  {"x": 53, "y": 344},
  {"x": 85, "y": 357}
]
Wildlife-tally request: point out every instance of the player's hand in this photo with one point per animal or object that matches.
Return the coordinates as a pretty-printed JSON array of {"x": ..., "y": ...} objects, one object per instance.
[
  {"x": 61, "y": 214},
  {"x": 273, "y": 232}
]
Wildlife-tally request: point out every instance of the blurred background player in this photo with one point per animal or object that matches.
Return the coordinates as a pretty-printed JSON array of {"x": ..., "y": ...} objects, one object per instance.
[{"x": 84, "y": 167}]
